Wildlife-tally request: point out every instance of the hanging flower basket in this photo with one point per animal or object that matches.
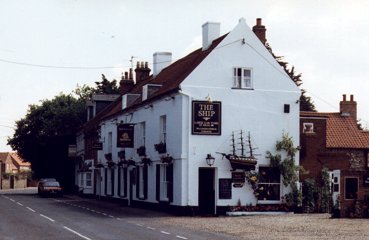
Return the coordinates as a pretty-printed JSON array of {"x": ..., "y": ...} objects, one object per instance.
[
  {"x": 161, "y": 147},
  {"x": 128, "y": 162},
  {"x": 167, "y": 159},
  {"x": 111, "y": 164},
  {"x": 122, "y": 154},
  {"x": 108, "y": 157},
  {"x": 141, "y": 151},
  {"x": 99, "y": 165},
  {"x": 146, "y": 160}
]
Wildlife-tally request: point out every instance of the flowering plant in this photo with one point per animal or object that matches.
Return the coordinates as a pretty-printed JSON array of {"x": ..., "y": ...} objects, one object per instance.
[{"x": 253, "y": 178}]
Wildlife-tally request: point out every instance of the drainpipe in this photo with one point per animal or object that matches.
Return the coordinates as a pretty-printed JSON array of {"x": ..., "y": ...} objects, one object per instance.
[{"x": 188, "y": 142}]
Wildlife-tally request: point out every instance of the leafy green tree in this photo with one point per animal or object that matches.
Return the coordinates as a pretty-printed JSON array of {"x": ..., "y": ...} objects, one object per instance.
[
  {"x": 43, "y": 135},
  {"x": 287, "y": 167},
  {"x": 106, "y": 86},
  {"x": 306, "y": 103}
]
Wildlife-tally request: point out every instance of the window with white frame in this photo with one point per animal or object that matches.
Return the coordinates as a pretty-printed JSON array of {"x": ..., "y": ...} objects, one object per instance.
[
  {"x": 81, "y": 180},
  {"x": 109, "y": 181},
  {"x": 269, "y": 184},
  {"x": 141, "y": 184},
  {"x": 242, "y": 78},
  {"x": 110, "y": 142},
  {"x": 163, "y": 128},
  {"x": 88, "y": 179},
  {"x": 164, "y": 182},
  {"x": 308, "y": 127},
  {"x": 122, "y": 182},
  {"x": 141, "y": 134}
]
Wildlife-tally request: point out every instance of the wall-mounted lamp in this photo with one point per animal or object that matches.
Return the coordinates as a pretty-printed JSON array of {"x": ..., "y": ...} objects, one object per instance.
[{"x": 210, "y": 159}]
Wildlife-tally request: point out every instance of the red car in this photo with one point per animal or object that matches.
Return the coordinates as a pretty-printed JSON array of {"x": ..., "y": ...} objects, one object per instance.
[{"x": 49, "y": 186}]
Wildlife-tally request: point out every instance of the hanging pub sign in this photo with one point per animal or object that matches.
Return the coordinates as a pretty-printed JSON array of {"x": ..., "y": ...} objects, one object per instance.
[
  {"x": 125, "y": 135},
  {"x": 206, "y": 118}
]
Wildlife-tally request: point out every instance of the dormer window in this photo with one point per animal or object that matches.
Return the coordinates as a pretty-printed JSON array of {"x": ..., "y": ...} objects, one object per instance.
[
  {"x": 148, "y": 90},
  {"x": 242, "y": 78}
]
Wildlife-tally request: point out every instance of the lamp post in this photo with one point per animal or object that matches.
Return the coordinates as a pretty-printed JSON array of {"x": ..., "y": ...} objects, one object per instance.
[{"x": 210, "y": 159}]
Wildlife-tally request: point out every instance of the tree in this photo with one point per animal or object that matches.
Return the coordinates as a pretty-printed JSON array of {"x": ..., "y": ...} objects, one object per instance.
[
  {"x": 306, "y": 103},
  {"x": 287, "y": 167},
  {"x": 106, "y": 86},
  {"x": 43, "y": 135}
]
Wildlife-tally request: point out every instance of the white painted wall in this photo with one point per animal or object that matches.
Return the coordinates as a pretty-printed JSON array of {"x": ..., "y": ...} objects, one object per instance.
[{"x": 259, "y": 111}]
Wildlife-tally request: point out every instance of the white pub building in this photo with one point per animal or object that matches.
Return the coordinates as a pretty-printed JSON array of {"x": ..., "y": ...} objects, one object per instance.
[{"x": 183, "y": 137}]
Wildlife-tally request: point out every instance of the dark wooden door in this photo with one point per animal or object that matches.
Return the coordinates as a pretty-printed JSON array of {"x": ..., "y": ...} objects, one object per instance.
[{"x": 206, "y": 191}]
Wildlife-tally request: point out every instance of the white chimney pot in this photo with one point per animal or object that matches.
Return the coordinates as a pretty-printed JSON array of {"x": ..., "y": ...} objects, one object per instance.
[
  {"x": 161, "y": 61},
  {"x": 210, "y": 32}
]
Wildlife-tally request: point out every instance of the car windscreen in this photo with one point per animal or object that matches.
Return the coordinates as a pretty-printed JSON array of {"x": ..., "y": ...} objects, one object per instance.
[{"x": 51, "y": 184}]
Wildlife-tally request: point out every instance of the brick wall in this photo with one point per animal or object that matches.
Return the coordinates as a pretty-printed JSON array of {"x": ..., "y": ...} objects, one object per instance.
[{"x": 314, "y": 156}]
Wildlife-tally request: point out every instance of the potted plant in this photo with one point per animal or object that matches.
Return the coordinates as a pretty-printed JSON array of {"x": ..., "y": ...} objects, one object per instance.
[
  {"x": 145, "y": 160},
  {"x": 99, "y": 165},
  {"x": 336, "y": 211},
  {"x": 111, "y": 164},
  {"x": 141, "y": 151},
  {"x": 108, "y": 156},
  {"x": 161, "y": 147},
  {"x": 167, "y": 159},
  {"x": 122, "y": 154}
]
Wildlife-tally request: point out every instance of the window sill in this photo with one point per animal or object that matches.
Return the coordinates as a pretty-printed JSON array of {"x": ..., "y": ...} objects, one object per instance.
[
  {"x": 269, "y": 202},
  {"x": 237, "y": 88}
]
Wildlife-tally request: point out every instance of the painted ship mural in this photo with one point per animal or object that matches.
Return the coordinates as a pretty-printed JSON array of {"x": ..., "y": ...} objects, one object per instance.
[{"x": 242, "y": 155}]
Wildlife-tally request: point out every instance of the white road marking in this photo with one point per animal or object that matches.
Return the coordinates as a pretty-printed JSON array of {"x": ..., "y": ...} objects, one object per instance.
[
  {"x": 140, "y": 225},
  {"x": 165, "y": 232},
  {"x": 11, "y": 199},
  {"x": 30, "y": 209},
  {"x": 111, "y": 216},
  {"x": 50, "y": 219},
  {"x": 20, "y": 204},
  {"x": 104, "y": 214},
  {"x": 151, "y": 228},
  {"x": 181, "y": 237},
  {"x": 77, "y": 233}
]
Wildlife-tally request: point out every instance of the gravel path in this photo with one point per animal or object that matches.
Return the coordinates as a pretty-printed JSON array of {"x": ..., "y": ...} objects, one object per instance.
[{"x": 292, "y": 226}]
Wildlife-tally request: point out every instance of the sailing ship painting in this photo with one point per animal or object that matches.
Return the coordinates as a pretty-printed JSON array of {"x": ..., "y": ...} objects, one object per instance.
[{"x": 246, "y": 159}]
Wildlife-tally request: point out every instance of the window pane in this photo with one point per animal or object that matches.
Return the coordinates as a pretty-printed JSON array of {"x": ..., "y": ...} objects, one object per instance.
[
  {"x": 269, "y": 183},
  {"x": 269, "y": 192},
  {"x": 351, "y": 188},
  {"x": 269, "y": 175},
  {"x": 239, "y": 72},
  {"x": 247, "y": 73}
]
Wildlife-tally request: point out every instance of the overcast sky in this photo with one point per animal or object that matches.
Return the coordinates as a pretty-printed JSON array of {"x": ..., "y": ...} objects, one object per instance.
[{"x": 48, "y": 47}]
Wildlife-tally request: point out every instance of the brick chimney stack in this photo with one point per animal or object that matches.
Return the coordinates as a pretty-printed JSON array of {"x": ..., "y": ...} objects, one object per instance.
[
  {"x": 259, "y": 30},
  {"x": 126, "y": 83},
  {"x": 142, "y": 71},
  {"x": 348, "y": 107}
]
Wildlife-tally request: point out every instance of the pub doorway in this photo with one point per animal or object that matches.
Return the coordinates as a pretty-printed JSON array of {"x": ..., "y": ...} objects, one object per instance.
[{"x": 207, "y": 191}]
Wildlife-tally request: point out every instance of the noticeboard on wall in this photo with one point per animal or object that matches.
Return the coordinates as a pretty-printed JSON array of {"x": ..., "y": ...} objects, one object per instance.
[
  {"x": 206, "y": 118},
  {"x": 225, "y": 188}
]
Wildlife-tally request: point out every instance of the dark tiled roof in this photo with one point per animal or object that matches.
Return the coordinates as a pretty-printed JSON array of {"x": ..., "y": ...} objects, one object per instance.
[
  {"x": 342, "y": 132},
  {"x": 170, "y": 77}
]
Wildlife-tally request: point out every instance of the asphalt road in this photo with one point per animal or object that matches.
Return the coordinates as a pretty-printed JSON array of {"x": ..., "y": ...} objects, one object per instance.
[{"x": 27, "y": 216}]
